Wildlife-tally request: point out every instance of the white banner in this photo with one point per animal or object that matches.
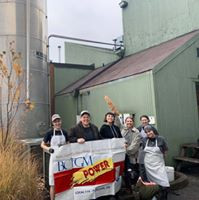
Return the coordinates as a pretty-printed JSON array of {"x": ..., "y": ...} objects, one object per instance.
[{"x": 90, "y": 170}]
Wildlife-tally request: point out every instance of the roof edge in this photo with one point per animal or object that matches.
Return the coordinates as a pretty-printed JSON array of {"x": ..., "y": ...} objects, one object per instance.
[
  {"x": 175, "y": 54},
  {"x": 86, "y": 88},
  {"x": 73, "y": 66},
  {"x": 76, "y": 90}
]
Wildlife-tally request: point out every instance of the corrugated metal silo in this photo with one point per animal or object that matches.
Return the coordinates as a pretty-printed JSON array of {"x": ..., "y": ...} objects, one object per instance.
[{"x": 25, "y": 22}]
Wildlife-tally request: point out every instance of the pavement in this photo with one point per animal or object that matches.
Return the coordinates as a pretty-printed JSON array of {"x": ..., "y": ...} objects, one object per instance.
[{"x": 191, "y": 191}]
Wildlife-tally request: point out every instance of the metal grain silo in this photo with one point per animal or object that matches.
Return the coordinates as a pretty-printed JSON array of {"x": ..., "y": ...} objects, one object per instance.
[{"x": 25, "y": 23}]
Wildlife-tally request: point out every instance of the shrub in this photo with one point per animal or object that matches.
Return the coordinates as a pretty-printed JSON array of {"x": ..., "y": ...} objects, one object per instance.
[{"x": 18, "y": 173}]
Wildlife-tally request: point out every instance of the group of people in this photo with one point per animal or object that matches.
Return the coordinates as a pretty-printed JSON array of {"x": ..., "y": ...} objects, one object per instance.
[{"x": 145, "y": 149}]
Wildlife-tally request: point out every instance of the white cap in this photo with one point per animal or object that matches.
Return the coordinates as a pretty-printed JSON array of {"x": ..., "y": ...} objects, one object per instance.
[
  {"x": 84, "y": 112},
  {"x": 55, "y": 116}
]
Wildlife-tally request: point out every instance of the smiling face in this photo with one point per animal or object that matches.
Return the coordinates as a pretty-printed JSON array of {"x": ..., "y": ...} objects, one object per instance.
[
  {"x": 150, "y": 134},
  {"x": 85, "y": 120},
  {"x": 110, "y": 118},
  {"x": 144, "y": 121},
  {"x": 57, "y": 124},
  {"x": 129, "y": 122}
]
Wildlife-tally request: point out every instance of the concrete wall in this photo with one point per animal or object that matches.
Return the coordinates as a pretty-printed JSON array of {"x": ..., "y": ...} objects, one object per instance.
[
  {"x": 175, "y": 95},
  {"x": 150, "y": 22},
  {"x": 87, "y": 55}
]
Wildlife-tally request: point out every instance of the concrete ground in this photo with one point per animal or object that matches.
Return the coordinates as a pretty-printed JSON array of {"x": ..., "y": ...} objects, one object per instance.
[{"x": 191, "y": 191}]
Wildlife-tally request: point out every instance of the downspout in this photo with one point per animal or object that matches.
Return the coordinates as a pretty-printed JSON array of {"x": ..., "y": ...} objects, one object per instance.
[{"x": 28, "y": 49}]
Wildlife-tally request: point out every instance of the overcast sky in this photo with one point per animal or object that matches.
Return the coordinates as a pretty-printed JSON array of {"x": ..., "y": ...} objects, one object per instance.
[{"x": 99, "y": 20}]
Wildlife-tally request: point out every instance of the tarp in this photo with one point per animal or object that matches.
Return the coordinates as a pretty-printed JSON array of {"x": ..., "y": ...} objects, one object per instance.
[{"x": 90, "y": 170}]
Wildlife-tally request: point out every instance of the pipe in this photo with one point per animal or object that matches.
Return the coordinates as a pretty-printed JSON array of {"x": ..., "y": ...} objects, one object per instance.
[
  {"x": 81, "y": 40},
  {"x": 59, "y": 53},
  {"x": 75, "y": 39},
  {"x": 27, "y": 49}
]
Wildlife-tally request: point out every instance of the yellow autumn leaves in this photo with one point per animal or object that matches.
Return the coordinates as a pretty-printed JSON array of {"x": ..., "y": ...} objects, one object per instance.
[
  {"x": 3, "y": 67},
  {"x": 12, "y": 76},
  {"x": 18, "y": 69},
  {"x": 5, "y": 72},
  {"x": 29, "y": 104}
]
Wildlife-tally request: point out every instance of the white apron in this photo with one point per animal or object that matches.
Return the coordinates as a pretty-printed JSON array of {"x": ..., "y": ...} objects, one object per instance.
[
  {"x": 55, "y": 142},
  {"x": 155, "y": 166}
]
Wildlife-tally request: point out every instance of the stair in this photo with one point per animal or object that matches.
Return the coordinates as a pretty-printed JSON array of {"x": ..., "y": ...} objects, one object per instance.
[{"x": 185, "y": 157}]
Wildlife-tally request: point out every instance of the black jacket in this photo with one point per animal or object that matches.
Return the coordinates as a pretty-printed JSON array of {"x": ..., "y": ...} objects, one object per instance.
[
  {"x": 79, "y": 131},
  {"x": 107, "y": 131}
]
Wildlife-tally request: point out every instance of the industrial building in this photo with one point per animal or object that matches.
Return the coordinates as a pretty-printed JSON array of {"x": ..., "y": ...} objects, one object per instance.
[
  {"x": 155, "y": 73},
  {"x": 153, "y": 69}
]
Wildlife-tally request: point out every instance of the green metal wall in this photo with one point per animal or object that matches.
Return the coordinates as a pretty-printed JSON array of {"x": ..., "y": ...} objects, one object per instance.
[
  {"x": 175, "y": 95},
  {"x": 87, "y": 55},
  {"x": 130, "y": 95},
  {"x": 150, "y": 22},
  {"x": 65, "y": 76},
  {"x": 66, "y": 106}
]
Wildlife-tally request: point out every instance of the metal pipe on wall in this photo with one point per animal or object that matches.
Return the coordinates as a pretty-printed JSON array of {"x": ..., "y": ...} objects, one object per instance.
[
  {"x": 25, "y": 24},
  {"x": 27, "y": 49}
]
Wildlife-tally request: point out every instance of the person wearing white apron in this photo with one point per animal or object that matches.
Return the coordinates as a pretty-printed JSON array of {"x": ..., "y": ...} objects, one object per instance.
[
  {"x": 53, "y": 139},
  {"x": 154, "y": 160},
  {"x": 144, "y": 119}
]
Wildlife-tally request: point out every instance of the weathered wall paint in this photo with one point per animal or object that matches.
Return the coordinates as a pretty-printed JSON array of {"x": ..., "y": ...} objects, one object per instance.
[
  {"x": 176, "y": 104},
  {"x": 88, "y": 55},
  {"x": 150, "y": 22}
]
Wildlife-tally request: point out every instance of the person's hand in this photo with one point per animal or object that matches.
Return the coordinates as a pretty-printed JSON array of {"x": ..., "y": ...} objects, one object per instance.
[
  {"x": 81, "y": 140},
  {"x": 125, "y": 145},
  {"x": 51, "y": 150}
]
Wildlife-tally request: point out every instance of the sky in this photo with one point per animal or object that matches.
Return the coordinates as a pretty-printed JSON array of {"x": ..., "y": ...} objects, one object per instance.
[{"x": 99, "y": 20}]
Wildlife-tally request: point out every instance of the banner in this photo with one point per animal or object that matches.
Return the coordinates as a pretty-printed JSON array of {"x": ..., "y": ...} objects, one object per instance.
[{"x": 90, "y": 170}]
